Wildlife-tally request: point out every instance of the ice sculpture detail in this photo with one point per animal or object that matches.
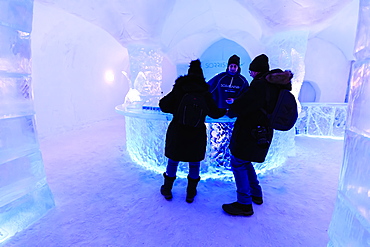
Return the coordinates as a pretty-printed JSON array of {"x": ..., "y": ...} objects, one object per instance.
[
  {"x": 350, "y": 225},
  {"x": 322, "y": 120},
  {"x": 146, "y": 69},
  {"x": 25, "y": 194}
]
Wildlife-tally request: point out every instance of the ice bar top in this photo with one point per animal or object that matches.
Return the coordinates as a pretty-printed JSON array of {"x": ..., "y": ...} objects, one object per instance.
[{"x": 155, "y": 113}]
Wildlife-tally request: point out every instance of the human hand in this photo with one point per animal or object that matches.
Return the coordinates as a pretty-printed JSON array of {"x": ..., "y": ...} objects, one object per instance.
[{"x": 229, "y": 100}]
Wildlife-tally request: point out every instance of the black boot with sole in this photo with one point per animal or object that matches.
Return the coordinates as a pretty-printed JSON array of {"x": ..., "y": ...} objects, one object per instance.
[
  {"x": 191, "y": 190},
  {"x": 237, "y": 208},
  {"x": 167, "y": 186}
]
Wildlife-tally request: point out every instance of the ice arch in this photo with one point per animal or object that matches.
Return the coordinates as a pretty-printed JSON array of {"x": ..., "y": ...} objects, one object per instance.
[{"x": 334, "y": 68}]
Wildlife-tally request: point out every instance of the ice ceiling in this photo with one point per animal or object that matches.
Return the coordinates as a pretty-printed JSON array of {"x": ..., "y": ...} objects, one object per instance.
[{"x": 167, "y": 22}]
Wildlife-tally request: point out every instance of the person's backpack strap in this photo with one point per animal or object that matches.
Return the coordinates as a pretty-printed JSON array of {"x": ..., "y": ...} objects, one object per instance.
[
  {"x": 267, "y": 102},
  {"x": 192, "y": 109}
]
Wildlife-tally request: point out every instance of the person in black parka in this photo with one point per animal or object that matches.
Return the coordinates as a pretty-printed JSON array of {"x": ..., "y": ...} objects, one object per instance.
[
  {"x": 251, "y": 126},
  {"x": 227, "y": 86},
  {"x": 186, "y": 143}
]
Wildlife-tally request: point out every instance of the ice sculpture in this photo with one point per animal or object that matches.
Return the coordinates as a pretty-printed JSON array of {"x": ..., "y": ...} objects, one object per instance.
[
  {"x": 24, "y": 193},
  {"x": 146, "y": 69},
  {"x": 350, "y": 225}
]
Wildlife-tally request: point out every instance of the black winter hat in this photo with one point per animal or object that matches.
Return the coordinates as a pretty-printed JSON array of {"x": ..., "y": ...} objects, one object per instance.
[
  {"x": 260, "y": 64},
  {"x": 234, "y": 59},
  {"x": 195, "y": 68}
]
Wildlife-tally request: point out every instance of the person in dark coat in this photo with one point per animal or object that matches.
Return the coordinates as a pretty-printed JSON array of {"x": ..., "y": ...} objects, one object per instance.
[
  {"x": 251, "y": 136},
  {"x": 225, "y": 87},
  {"x": 228, "y": 85},
  {"x": 186, "y": 143}
]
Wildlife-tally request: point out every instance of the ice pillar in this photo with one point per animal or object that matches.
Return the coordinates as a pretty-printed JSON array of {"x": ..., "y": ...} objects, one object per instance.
[
  {"x": 146, "y": 76},
  {"x": 350, "y": 225},
  {"x": 145, "y": 90},
  {"x": 24, "y": 193},
  {"x": 286, "y": 50}
]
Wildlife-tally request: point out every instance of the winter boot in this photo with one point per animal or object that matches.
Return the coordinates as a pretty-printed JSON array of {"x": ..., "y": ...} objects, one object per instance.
[
  {"x": 167, "y": 186},
  {"x": 257, "y": 200},
  {"x": 191, "y": 190},
  {"x": 237, "y": 208}
]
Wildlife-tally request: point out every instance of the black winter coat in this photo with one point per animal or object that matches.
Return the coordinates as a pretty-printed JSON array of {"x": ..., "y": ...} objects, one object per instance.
[
  {"x": 247, "y": 108},
  {"x": 184, "y": 143},
  {"x": 225, "y": 85}
]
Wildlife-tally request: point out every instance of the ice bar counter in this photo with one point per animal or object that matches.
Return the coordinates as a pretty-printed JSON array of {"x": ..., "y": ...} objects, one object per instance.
[{"x": 146, "y": 128}]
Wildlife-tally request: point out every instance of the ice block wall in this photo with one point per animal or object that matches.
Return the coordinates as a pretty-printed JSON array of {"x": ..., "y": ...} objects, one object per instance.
[
  {"x": 24, "y": 193},
  {"x": 350, "y": 225}
]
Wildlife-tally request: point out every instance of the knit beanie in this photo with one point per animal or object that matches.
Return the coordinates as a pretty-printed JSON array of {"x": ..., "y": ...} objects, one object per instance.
[
  {"x": 260, "y": 64},
  {"x": 195, "y": 68},
  {"x": 234, "y": 59}
]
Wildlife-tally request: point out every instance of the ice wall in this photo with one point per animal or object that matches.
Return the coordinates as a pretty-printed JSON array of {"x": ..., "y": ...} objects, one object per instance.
[
  {"x": 24, "y": 193},
  {"x": 76, "y": 71},
  {"x": 350, "y": 225}
]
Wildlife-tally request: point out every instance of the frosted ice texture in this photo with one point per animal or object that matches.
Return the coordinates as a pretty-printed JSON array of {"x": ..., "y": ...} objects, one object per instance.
[
  {"x": 146, "y": 77},
  {"x": 24, "y": 193},
  {"x": 146, "y": 129},
  {"x": 219, "y": 135},
  {"x": 286, "y": 51},
  {"x": 322, "y": 120},
  {"x": 350, "y": 225},
  {"x": 145, "y": 140}
]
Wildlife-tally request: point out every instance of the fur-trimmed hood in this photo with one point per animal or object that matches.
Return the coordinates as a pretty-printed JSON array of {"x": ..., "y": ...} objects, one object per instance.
[{"x": 277, "y": 76}]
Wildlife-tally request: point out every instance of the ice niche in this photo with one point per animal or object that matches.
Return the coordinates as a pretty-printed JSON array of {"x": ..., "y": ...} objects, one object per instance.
[
  {"x": 24, "y": 193},
  {"x": 146, "y": 125}
]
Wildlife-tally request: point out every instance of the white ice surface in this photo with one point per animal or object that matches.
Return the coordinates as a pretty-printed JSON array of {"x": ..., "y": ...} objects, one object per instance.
[{"x": 103, "y": 199}]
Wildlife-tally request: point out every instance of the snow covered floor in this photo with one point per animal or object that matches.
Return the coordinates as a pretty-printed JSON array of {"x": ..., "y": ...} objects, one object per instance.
[{"x": 103, "y": 199}]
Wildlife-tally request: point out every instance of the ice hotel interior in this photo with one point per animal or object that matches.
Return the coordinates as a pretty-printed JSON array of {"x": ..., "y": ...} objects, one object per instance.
[{"x": 81, "y": 137}]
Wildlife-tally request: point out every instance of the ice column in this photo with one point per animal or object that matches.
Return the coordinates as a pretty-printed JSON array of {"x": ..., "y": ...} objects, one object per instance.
[
  {"x": 145, "y": 140},
  {"x": 350, "y": 225},
  {"x": 146, "y": 76},
  {"x": 286, "y": 50},
  {"x": 24, "y": 193}
]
